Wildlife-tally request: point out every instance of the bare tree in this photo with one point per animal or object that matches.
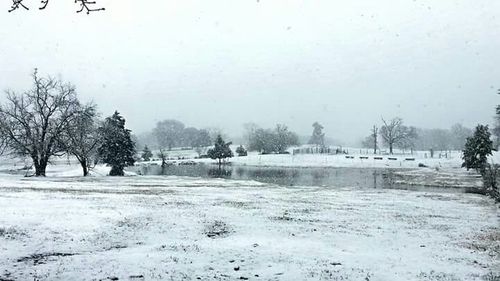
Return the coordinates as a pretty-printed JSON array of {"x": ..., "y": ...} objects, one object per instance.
[
  {"x": 395, "y": 133},
  {"x": 85, "y": 6},
  {"x": 33, "y": 122},
  {"x": 168, "y": 133},
  {"x": 81, "y": 137}
]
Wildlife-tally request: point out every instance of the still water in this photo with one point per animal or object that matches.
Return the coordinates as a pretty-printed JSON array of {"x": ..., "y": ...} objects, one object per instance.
[{"x": 327, "y": 177}]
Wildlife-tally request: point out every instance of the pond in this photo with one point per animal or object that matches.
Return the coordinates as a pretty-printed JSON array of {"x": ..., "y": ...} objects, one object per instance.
[{"x": 325, "y": 177}]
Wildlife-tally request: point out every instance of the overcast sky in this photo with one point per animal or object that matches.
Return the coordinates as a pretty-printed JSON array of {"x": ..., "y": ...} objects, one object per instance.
[{"x": 214, "y": 63}]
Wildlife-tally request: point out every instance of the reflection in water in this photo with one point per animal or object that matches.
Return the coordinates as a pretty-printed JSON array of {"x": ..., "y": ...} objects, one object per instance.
[
  {"x": 327, "y": 177},
  {"x": 220, "y": 172}
]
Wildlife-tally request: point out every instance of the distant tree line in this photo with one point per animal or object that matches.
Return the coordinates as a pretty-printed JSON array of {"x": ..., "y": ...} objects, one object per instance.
[
  {"x": 394, "y": 134},
  {"x": 173, "y": 133},
  {"x": 49, "y": 121}
]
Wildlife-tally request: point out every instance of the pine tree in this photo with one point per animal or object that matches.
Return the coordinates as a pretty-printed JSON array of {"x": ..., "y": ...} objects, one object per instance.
[
  {"x": 318, "y": 137},
  {"x": 477, "y": 149},
  {"x": 221, "y": 150},
  {"x": 146, "y": 153},
  {"x": 117, "y": 149}
]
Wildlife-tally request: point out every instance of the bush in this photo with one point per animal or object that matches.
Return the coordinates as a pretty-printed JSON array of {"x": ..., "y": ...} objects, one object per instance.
[{"x": 241, "y": 151}]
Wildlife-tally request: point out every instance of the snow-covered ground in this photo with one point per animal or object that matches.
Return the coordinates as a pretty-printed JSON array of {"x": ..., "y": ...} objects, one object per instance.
[
  {"x": 358, "y": 158},
  {"x": 175, "y": 228},
  {"x": 340, "y": 160}
]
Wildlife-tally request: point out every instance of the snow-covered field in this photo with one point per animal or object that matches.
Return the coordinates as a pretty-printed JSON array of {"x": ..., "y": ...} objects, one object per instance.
[{"x": 173, "y": 228}]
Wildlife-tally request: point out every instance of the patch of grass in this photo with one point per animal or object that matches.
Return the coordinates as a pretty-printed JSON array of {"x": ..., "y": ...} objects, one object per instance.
[
  {"x": 11, "y": 233},
  {"x": 437, "y": 276},
  {"x": 217, "y": 229},
  {"x": 487, "y": 241},
  {"x": 37, "y": 259}
]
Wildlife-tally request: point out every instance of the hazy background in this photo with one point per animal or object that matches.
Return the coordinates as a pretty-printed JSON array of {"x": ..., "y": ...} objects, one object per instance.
[{"x": 224, "y": 63}]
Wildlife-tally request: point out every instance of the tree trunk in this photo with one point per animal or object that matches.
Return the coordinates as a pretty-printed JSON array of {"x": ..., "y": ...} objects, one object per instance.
[
  {"x": 85, "y": 167},
  {"x": 40, "y": 166},
  {"x": 390, "y": 148},
  {"x": 116, "y": 171}
]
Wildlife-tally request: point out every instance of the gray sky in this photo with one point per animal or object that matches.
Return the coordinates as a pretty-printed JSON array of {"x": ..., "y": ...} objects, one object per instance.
[{"x": 220, "y": 64}]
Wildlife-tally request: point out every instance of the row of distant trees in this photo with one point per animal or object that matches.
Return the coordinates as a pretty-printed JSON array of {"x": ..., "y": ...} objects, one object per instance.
[
  {"x": 395, "y": 134},
  {"x": 173, "y": 133},
  {"x": 49, "y": 120}
]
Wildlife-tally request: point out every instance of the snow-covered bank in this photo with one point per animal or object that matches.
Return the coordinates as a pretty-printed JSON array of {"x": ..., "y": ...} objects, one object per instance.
[
  {"x": 172, "y": 228},
  {"x": 340, "y": 160}
]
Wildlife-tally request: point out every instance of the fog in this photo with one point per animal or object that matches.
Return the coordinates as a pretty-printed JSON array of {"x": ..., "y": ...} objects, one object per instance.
[{"x": 221, "y": 64}]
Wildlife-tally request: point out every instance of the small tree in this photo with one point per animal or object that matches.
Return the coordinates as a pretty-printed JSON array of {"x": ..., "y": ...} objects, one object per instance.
[
  {"x": 221, "y": 150},
  {"x": 477, "y": 149},
  {"x": 241, "y": 151},
  {"x": 146, "y": 153},
  {"x": 117, "y": 148},
  {"x": 318, "y": 137},
  {"x": 163, "y": 156}
]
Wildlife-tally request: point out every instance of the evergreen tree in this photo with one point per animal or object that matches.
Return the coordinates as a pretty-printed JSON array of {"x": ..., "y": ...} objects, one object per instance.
[
  {"x": 117, "y": 148},
  {"x": 477, "y": 149},
  {"x": 241, "y": 151},
  {"x": 221, "y": 150},
  {"x": 318, "y": 137},
  {"x": 146, "y": 153}
]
